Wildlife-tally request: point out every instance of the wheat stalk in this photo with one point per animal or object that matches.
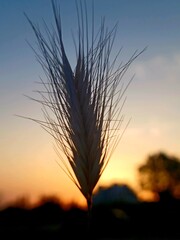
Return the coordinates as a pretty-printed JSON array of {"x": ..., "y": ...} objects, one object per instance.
[{"x": 82, "y": 108}]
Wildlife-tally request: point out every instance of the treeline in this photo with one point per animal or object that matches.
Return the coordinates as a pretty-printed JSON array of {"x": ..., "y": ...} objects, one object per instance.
[{"x": 49, "y": 220}]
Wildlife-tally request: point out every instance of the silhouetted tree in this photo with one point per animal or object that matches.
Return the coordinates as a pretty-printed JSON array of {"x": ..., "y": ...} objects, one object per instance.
[
  {"x": 45, "y": 199},
  {"x": 21, "y": 202},
  {"x": 161, "y": 174}
]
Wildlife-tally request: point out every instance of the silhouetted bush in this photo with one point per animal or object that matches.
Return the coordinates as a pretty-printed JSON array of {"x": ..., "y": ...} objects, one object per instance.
[{"x": 142, "y": 220}]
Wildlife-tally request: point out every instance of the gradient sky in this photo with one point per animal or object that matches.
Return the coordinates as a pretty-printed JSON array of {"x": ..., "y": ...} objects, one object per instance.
[{"x": 27, "y": 160}]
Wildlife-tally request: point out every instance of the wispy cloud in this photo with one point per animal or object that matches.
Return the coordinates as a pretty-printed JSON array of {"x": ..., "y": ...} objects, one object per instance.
[
  {"x": 159, "y": 69},
  {"x": 155, "y": 103}
]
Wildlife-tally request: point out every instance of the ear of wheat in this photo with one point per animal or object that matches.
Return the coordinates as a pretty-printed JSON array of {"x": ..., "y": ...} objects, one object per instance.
[{"x": 82, "y": 108}]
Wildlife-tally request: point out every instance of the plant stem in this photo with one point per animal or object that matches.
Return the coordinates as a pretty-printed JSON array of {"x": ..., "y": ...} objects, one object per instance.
[{"x": 89, "y": 205}]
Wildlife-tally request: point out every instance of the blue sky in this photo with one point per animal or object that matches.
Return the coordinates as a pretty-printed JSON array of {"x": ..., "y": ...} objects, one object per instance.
[{"x": 153, "y": 97}]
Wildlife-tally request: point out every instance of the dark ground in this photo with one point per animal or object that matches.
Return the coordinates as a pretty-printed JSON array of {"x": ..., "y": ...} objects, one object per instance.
[{"x": 141, "y": 221}]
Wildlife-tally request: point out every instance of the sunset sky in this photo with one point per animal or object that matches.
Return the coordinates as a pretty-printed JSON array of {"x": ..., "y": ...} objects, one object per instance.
[{"x": 27, "y": 161}]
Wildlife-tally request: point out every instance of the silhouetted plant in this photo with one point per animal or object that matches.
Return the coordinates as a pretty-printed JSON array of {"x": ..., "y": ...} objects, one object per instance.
[{"x": 83, "y": 107}]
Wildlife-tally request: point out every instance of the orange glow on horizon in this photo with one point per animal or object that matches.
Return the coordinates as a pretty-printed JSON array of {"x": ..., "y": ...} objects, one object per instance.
[
  {"x": 39, "y": 175},
  {"x": 43, "y": 177}
]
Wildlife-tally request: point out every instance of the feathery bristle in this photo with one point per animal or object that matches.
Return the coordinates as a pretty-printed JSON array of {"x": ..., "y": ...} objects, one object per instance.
[{"x": 82, "y": 108}]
